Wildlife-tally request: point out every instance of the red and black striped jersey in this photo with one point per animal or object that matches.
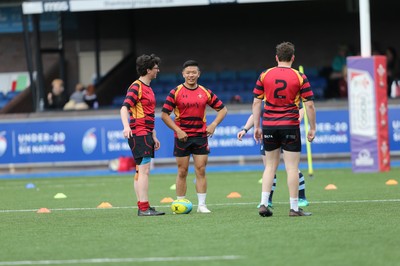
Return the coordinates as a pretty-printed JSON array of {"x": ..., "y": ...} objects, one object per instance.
[
  {"x": 189, "y": 106},
  {"x": 282, "y": 89},
  {"x": 141, "y": 103}
]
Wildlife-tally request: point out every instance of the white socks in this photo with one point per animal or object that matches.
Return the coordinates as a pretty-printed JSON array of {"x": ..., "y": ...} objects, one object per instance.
[
  {"x": 201, "y": 198},
  {"x": 294, "y": 204},
  {"x": 264, "y": 198}
]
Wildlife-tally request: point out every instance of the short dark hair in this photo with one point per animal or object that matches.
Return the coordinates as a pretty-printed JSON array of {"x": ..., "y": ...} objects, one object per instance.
[
  {"x": 285, "y": 51},
  {"x": 190, "y": 63},
  {"x": 145, "y": 62}
]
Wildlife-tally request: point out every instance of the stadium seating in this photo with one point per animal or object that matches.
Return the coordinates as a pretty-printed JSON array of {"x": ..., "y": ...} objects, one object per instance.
[
  {"x": 234, "y": 87},
  {"x": 225, "y": 96},
  {"x": 248, "y": 75},
  {"x": 319, "y": 86},
  {"x": 312, "y": 72},
  {"x": 2, "y": 96},
  {"x": 210, "y": 76},
  {"x": 118, "y": 100},
  {"x": 167, "y": 78},
  {"x": 3, "y": 102},
  {"x": 227, "y": 75},
  {"x": 12, "y": 94},
  {"x": 7, "y": 97},
  {"x": 229, "y": 85},
  {"x": 216, "y": 87}
]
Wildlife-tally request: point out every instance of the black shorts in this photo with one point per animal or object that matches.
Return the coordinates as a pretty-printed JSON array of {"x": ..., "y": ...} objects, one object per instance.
[
  {"x": 193, "y": 145},
  {"x": 141, "y": 146},
  {"x": 287, "y": 139}
]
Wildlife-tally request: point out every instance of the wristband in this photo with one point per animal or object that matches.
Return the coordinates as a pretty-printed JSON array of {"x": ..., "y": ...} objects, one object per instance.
[{"x": 245, "y": 130}]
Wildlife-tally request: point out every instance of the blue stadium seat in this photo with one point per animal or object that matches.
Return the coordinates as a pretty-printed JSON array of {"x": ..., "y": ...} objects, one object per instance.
[
  {"x": 12, "y": 94},
  {"x": 208, "y": 84},
  {"x": 227, "y": 75},
  {"x": 156, "y": 86},
  {"x": 3, "y": 102},
  {"x": 118, "y": 100},
  {"x": 234, "y": 87},
  {"x": 249, "y": 85},
  {"x": 167, "y": 78},
  {"x": 311, "y": 72},
  {"x": 319, "y": 86},
  {"x": 216, "y": 87},
  {"x": 160, "y": 98},
  {"x": 248, "y": 75},
  {"x": 207, "y": 77},
  {"x": 247, "y": 97},
  {"x": 225, "y": 97},
  {"x": 169, "y": 86}
]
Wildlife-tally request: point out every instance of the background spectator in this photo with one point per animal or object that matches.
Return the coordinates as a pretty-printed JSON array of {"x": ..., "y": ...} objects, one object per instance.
[
  {"x": 338, "y": 63},
  {"x": 393, "y": 68},
  {"x": 76, "y": 100},
  {"x": 56, "y": 98},
  {"x": 343, "y": 83},
  {"x": 90, "y": 97}
]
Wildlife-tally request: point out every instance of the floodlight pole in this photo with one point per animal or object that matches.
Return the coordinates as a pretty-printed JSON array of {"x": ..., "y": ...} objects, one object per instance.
[
  {"x": 40, "y": 91},
  {"x": 29, "y": 62},
  {"x": 365, "y": 28}
]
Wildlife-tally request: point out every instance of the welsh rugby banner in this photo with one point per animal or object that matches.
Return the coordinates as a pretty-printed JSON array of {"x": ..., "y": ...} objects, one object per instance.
[{"x": 368, "y": 113}]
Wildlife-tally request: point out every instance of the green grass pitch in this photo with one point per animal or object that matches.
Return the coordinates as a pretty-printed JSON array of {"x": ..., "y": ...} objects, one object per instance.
[{"x": 357, "y": 224}]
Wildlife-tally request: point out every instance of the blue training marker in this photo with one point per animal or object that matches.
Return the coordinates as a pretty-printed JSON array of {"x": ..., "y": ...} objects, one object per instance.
[{"x": 30, "y": 185}]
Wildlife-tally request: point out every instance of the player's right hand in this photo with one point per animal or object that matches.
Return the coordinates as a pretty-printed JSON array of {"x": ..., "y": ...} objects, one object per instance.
[
  {"x": 258, "y": 135},
  {"x": 240, "y": 134},
  {"x": 181, "y": 135},
  {"x": 127, "y": 132},
  {"x": 311, "y": 135}
]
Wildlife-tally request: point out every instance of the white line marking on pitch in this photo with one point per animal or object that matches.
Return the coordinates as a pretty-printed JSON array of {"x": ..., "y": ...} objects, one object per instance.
[
  {"x": 119, "y": 260},
  {"x": 216, "y": 204}
]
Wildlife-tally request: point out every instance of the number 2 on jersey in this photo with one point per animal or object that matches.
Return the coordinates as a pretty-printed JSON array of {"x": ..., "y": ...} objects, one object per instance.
[{"x": 281, "y": 86}]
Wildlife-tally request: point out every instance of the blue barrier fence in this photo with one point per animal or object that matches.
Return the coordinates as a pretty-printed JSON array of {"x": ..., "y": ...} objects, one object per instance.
[{"x": 88, "y": 139}]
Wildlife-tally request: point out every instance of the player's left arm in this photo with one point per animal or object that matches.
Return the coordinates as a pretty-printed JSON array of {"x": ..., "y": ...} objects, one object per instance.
[
  {"x": 249, "y": 124},
  {"x": 311, "y": 116},
  {"x": 127, "y": 131},
  {"x": 256, "y": 108},
  {"x": 220, "y": 116}
]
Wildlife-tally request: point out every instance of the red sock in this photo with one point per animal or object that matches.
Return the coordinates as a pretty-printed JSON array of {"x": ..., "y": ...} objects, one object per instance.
[{"x": 143, "y": 205}]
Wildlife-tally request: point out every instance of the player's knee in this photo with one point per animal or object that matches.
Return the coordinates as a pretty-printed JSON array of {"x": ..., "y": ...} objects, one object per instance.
[{"x": 182, "y": 173}]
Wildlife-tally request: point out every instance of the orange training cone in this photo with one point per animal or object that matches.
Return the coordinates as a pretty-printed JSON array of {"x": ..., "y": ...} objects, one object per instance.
[
  {"x": 104, "y": 205},
  {"x": 330, "y": 187},
  {"x": 43, "y": 210},
  {"x": 391, "y": 182},
  {"x": 233, "y": 195},
  {"x": 167, "y": 200}
]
